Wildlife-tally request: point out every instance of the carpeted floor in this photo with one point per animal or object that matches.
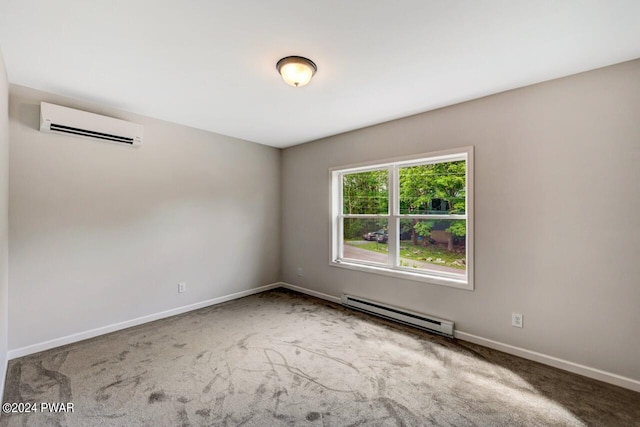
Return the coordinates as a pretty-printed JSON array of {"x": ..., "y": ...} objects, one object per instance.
[{"x": 281, "y": 358}]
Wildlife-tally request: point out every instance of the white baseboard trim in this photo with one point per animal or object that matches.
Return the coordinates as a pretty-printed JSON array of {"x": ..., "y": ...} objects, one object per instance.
[
  {"x": 310, "y": 292},
  {"x": 566, "y": 365},
  {"x": 57, "y": 342}
]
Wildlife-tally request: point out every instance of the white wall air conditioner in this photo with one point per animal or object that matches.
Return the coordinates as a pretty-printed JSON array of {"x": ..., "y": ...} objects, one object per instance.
[{"x": 58, "y": 119}]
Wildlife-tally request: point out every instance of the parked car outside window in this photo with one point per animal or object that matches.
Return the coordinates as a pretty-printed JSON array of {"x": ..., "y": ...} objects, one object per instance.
[{"x": 373, "y": 235}]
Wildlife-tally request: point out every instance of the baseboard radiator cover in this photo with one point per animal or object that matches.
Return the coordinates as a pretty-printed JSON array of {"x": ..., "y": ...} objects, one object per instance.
[{"x": 418, "y": 320}]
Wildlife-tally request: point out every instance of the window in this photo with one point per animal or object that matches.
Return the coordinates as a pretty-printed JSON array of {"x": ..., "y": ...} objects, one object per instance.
[{"x": 409, "y": 217}]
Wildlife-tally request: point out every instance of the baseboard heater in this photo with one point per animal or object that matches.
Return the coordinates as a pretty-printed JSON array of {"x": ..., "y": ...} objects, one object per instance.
[{"x": 429, "y": 323}]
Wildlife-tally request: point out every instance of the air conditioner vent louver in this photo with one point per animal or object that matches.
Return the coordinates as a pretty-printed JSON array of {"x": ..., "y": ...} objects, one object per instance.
[
  {"x": 429, "y": 323},
  {"x": 84, "y": 132},
  {"x": 58, "y": 119}
]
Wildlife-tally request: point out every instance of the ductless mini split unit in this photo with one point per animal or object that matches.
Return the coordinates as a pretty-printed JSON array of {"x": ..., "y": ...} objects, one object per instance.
[
  {"x": 422, "y": 321},
  {"x": 63, "y": 120}
]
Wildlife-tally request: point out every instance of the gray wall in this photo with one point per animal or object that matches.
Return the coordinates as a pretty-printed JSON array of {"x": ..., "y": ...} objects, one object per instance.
[
  {"x": 557, "y": 227},
  {"x": 102, "y": 233},
  {"x": 4, "y": 218}
]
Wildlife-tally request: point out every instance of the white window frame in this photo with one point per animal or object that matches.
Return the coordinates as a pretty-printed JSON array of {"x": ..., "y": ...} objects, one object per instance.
[{"x": 461, "y": 281}]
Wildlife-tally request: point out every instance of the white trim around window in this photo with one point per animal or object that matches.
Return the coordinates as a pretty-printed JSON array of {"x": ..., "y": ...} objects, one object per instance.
[{"x": 394, "y": 267}]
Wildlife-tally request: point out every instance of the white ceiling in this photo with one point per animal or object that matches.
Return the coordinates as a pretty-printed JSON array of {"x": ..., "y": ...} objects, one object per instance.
[{"x": 211, "y": 64}]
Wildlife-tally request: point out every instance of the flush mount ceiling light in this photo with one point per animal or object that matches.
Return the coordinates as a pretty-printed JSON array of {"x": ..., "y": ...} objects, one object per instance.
[{"x": 296, "y": 70}]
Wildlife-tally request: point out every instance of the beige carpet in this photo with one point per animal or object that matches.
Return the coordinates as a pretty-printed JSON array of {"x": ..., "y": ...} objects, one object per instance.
[{"x": 281, "y": 358}]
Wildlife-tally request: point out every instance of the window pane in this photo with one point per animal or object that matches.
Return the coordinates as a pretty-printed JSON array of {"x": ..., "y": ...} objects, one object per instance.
[
  {"x": 366, "y": 192},
  {"x": 436, "y": 245},
  {"x": 433, "y": 189},
  {"x": 366, "y": 240}
]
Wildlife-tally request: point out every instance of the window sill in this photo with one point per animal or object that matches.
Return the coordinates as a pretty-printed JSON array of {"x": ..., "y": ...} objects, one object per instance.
[{"x": 407, "y": 275}]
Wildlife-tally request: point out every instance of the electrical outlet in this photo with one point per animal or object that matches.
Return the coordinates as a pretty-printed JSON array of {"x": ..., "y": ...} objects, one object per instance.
[
  {"x": 182, "y": 287},
  {"x": 516, "y": 320},
  {"x": 300, "y": 271}
]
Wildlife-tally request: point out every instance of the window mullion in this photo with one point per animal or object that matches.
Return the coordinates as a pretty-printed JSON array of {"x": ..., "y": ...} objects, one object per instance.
[
  {"x": 339, "y": 210},
  {"x": 393, "y": 240},
  {"x": 434, "y": 216},
  {"x": 364, "y": 216}
]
